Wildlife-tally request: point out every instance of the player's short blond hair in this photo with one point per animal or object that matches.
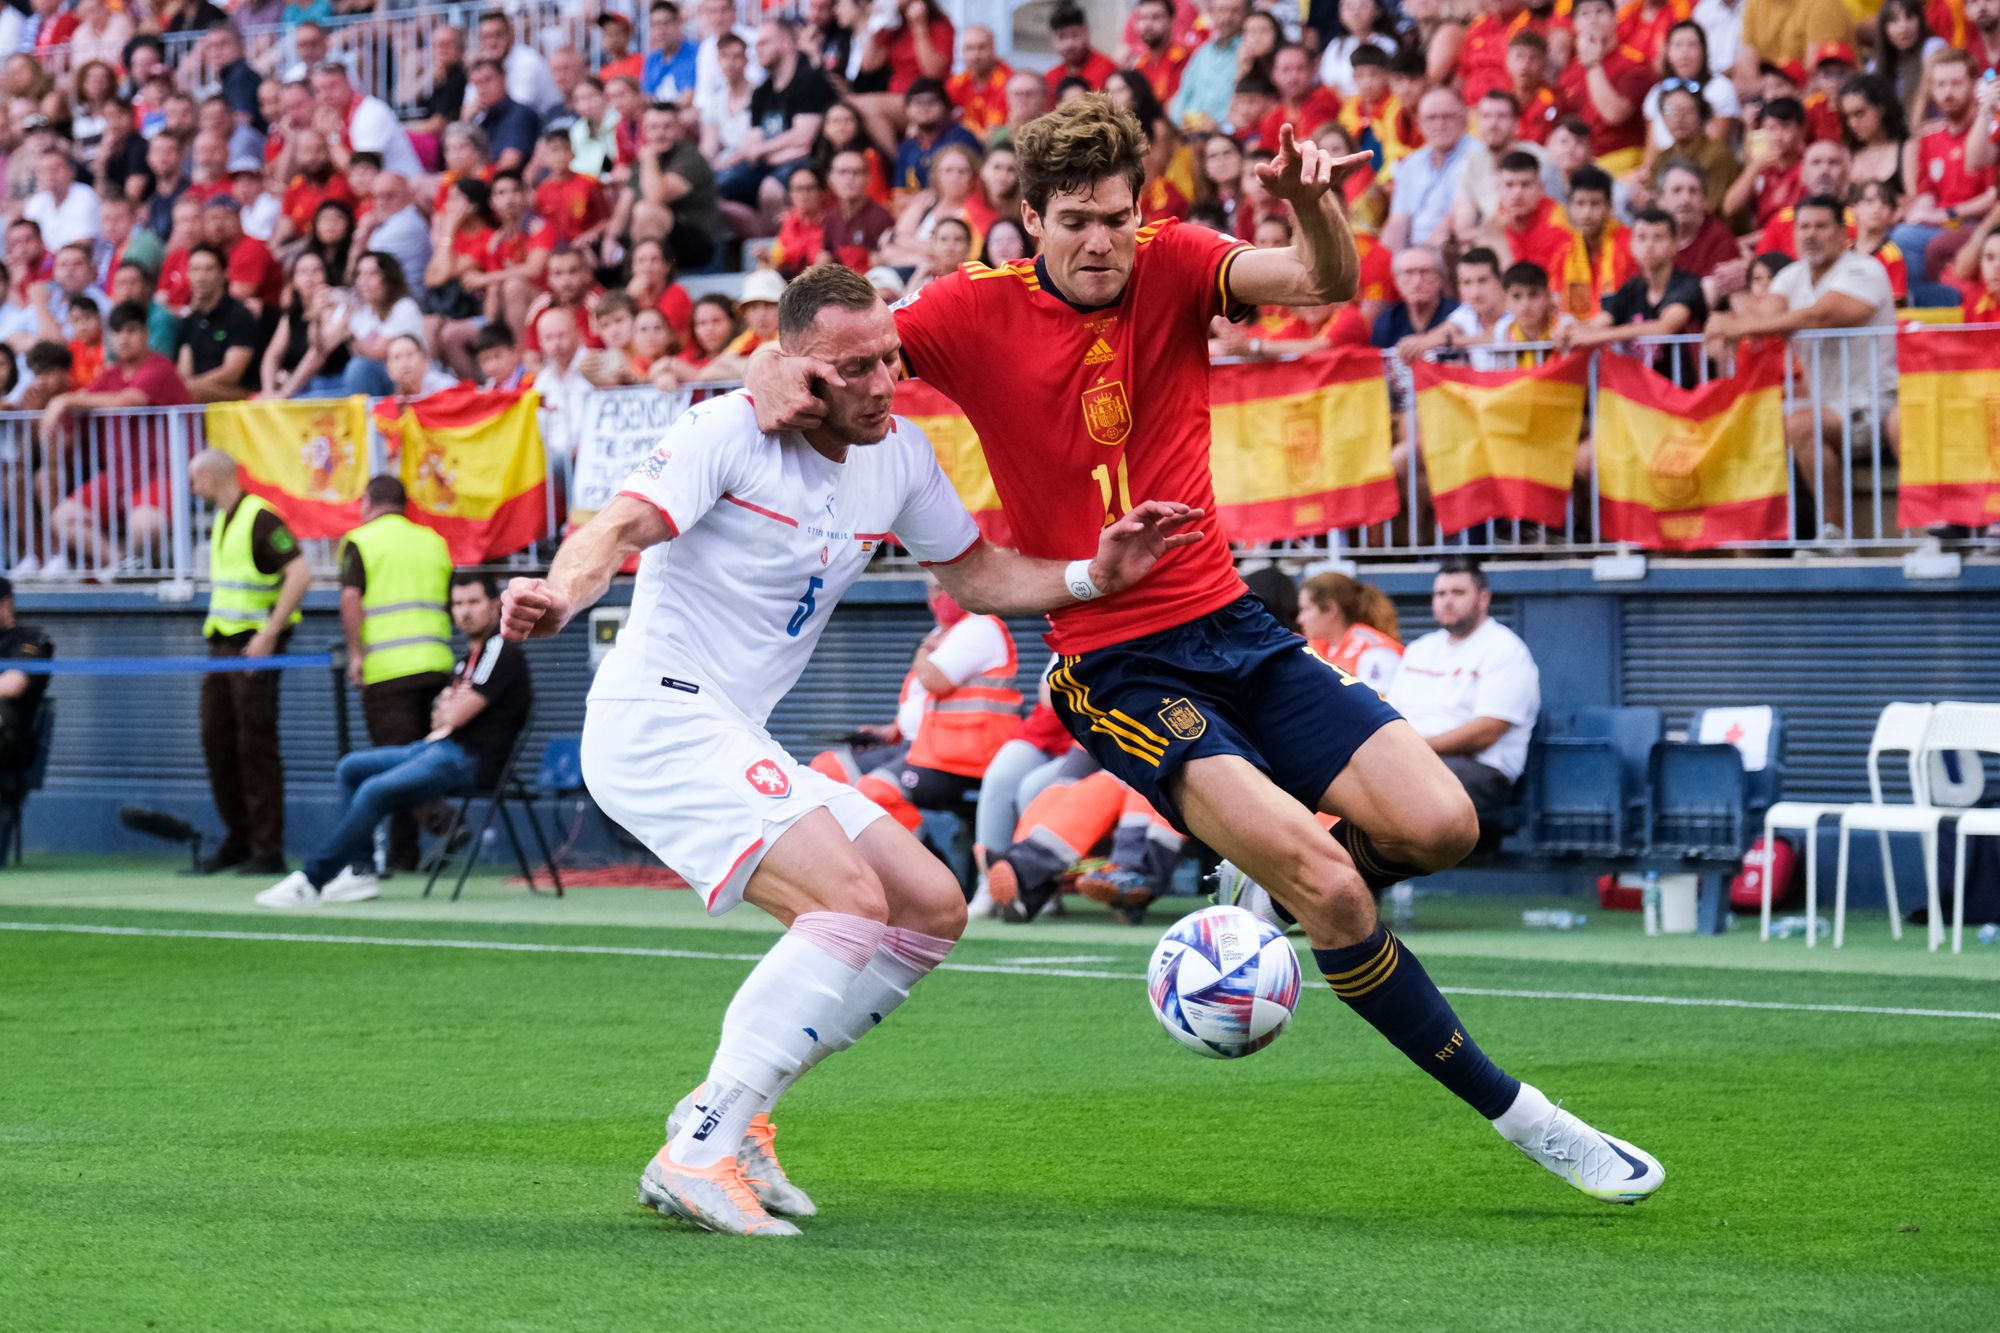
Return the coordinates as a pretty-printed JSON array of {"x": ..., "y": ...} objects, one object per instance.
[
  {"x": 814, "y": 290},
  {"x": 1083, "y": 141}
]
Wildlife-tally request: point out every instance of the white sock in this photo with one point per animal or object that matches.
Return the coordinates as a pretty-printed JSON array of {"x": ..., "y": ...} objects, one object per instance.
[
  {"x": 793, "y": 995},
  {"x": 1519, "y": 1122},
  {"x": 905, "y": 958}
]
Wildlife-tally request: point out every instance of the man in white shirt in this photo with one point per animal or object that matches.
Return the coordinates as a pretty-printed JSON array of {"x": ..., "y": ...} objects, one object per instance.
[
  {"x": 359, "y": 123},
  {"x": 1426, "y": 182},
  {"x": 1832, "y": 286},
  {"x": 559, "y": 379},
  {"x": 1722, "y": 23},
  {"x": 746, "y": 541},
  {"x": 65, "y": 210},
  {"x": 1471, "y": 688},
  {"x": 714, "y": 18}
]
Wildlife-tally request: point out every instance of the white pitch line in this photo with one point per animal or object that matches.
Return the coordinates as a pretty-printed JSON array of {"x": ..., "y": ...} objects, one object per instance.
[
  {"x": 1038, "y": 961},
  {"x": 509, "y": 946}
]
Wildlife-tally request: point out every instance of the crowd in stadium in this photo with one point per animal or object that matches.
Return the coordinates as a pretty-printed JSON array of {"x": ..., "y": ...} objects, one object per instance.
[{"x": 206, "y": 205}]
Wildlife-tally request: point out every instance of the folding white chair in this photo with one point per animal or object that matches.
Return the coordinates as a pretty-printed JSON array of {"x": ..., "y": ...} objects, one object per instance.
[
  {"x": 1974, "y": 728},
  {"x": 1921, "y": 817},
  {"x": 1900, "y": 728}
]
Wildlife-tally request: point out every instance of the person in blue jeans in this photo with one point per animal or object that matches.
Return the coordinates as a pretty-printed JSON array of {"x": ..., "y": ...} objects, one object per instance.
[{"x": 474, "y": 723}]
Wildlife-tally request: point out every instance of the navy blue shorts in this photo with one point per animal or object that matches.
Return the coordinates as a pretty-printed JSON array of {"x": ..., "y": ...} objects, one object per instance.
[{"x": 1233, "y": 682}]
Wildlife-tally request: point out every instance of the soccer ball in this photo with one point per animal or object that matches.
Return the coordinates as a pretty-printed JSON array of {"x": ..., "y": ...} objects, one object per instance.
[{"x": 1223, "y": 982}]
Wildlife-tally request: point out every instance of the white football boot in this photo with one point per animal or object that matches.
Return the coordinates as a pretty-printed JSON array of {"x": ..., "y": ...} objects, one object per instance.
[
  {"x": 758, "y": 1158},
  {"x": 1606, "y": 1168},
  {"x": 714, "y": 1198}
]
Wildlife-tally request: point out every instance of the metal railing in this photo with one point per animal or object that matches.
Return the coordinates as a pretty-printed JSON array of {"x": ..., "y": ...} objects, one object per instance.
[{"x": 111, "y": 502}]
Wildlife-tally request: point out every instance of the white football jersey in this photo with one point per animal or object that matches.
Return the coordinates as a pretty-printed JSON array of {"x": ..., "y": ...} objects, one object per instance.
[{"x": 768, "y": 533}]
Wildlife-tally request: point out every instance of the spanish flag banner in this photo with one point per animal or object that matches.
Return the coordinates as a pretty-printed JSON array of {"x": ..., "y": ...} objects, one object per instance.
[
  {"x": 1950, "y": 391},
  {"x": 1302, "y": 447},
  {"x": 473, "y": 463},
  {"x": 1687, "y": 469},
  {"x": 1500, "y": 443},
  {"x": 957, "y": 449},
  {"x": 309, "y": 458}
]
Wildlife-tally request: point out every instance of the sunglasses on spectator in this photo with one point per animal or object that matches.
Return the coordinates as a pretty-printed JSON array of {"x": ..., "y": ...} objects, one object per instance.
[{"x": 1679, "y": 86}]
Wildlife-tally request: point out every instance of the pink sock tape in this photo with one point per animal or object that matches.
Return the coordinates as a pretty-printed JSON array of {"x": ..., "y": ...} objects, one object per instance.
[
  {"x": 852, "y": 940},
  {"x": 915, "y": 948}
]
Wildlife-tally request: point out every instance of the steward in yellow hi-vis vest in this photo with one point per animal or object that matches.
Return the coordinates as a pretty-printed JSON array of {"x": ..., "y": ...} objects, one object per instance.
[
  {"x": 395, "y": 609},
  {"x": 257, "y": 578}
]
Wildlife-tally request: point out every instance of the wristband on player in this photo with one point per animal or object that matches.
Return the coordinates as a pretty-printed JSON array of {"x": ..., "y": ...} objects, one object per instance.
[{"x": 1077, "y": 576}]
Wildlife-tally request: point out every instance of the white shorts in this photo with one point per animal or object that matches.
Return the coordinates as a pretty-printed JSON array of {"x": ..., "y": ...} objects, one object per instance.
[{"x": 707, "y": 792}]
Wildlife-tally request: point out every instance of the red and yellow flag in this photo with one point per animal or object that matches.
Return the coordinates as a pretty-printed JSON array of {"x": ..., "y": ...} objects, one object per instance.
[
  {"x": 473, "y": 463},
  {"x": 1302, "y": 447},
  {"x": 308, "y": 458},
  {"x": 1687, "y": 469},
  {"x": 957, "y": 449},
  {"x": 1950, "y": 393},
  {"x": 1500, "y": 443}
]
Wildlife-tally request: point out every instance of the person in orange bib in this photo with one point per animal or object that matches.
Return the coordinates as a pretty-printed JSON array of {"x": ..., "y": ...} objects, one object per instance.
[
  {"x": 1062, "y": 826},
  {"x": 1352, "y": 626}
]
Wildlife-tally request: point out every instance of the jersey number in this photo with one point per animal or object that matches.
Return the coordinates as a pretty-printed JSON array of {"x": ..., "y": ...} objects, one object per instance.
[
  {"x": 805, "y": 608},
  {"x": 1116, "y": 490}
]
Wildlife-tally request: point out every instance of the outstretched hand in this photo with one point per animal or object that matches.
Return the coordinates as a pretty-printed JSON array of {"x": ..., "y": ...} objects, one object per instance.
[
  {"x": 1129, "y": 548},
  {"x": 532, "y": 609},
  {"x": 1301, "y": 173},
  {"x": 784, "y": 389}
]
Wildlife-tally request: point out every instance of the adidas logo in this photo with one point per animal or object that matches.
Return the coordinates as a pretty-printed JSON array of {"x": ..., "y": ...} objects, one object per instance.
[{"x": 1100, "y": 352}]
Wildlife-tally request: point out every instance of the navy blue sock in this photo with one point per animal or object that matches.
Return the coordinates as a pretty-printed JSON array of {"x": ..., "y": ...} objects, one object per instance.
[{"x": 1384, "y": 983}]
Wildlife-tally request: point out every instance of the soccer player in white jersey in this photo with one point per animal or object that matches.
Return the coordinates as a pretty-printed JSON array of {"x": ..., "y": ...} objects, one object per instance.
[{"x": 748, "y": 541}]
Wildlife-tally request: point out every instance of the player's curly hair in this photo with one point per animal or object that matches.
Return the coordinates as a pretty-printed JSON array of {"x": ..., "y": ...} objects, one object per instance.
[{"x": 1080, "y": 143}]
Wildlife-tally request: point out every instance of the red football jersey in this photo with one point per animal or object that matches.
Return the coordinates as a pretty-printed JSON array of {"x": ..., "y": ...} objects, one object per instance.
[{"x": 1084, "y": 413}]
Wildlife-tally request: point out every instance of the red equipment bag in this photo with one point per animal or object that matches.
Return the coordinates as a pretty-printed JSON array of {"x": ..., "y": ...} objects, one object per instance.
[{"x": 1746, "y": 891}]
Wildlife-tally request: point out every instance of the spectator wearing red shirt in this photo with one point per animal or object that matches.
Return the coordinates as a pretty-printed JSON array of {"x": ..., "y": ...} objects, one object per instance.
[
  {"x": 1607, "y": 84},
  {"x": 620, "y": 60},
  {"x": 313, "y": 182},
  {"x": 1643, "y": 24},
  {"x": 1303, "y": 103},
  {"x": 1771, "y": 182},
  {"x": 255, "y": 276},
  {"x": 651, "y": 285},
  {"x": 855, "y": 224},
  {"x": 1706, "y": 247},
  {"x": 920, "y": 47},
  {"x": 186, "y": 233},
  {"x": 1825, "y": 169},
  {"x": 1161, "y": 57},
  {"x": 119, "y": 502},
  {"x": 1833, "y": 64},
  {"x": 1983, "y": 305},
  {"x": 569, "y": 289},
  {"x": 1482, "y": 56},
  {"x": 979, "y": 90},
  {"x": 1874, "y": 215},
  {"x": 802, "y": 229},
  {"x": 517, "y": 254},
  {"x": 1527, "y": 71},
  {"x": 1069, "y": 33},
  {"x": 572, "y": 205},
  {"x": 1526, "y": 226},
  {"x": 1600, "y": 262},
  {"x": 1952, "y": 188}
]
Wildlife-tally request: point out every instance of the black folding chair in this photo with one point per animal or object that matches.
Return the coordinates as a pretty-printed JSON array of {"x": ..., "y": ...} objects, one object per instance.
[
  {"x": 506, "y": 788},
  {"x": 15, "y": 787}
]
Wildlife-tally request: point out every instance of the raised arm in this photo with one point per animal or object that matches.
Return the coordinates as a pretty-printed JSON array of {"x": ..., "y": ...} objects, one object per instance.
[
  {"x": 992, "y": 580},
  {"x": 1321, "y": 266},
  {"x": 538, "y": 608}
]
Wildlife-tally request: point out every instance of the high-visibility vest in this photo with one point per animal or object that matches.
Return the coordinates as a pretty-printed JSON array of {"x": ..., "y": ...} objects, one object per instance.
[
  {"x": 240, "y": 598},
  {"x": 961, "y": 732},
  {"x": 405, "y": 609}
]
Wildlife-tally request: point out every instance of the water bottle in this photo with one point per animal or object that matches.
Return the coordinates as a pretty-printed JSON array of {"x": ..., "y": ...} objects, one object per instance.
[
  {"x": 1651, "y": 902},
  {"x": 1787, "y": 926},
  {"x": 1559, "y": 919},
  {"x": 1989, "y": 933},
  {"x": 1402, "y": 904}
]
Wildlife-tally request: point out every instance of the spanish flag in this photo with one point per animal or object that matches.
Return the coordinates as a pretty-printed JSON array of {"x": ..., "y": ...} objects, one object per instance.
[
  {"x": 1500, "y": 443},
  {"x": 1302, "y": 447},
  {"x": 1950, "y": 393},
  {"x": 1687, "y": 469},
  {"x": 310, "y": 458},
  {"x": 958, "y": 453},
  {"x": 473, "y": 463}
]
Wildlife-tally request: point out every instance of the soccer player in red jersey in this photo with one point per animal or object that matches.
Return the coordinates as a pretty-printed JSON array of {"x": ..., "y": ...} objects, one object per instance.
[{"x": 1085, "y": 375}]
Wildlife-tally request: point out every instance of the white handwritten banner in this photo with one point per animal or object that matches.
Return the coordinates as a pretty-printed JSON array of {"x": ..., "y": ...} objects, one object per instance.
[{"x": 617, "y": 429}]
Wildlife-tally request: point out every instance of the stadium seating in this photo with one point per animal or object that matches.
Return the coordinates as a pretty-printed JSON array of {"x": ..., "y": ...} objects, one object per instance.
[
  {"x": 1973, "y": 727},
  {"x": 1589, "y": 782},
  {"x": 1917, "y": 816}
]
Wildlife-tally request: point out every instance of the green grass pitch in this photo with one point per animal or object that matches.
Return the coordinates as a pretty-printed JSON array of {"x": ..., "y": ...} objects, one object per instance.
[{"x": 231, "y": 1133}]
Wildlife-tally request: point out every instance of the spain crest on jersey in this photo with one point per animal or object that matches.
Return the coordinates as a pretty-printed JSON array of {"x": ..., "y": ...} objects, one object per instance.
[
  {"x": 1183, "y": 719},
  {"x": 1107, "y": 415}
]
